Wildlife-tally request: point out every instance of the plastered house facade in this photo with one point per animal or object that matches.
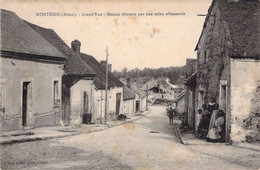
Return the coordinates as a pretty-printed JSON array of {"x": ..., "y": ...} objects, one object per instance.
[{"x": 31, "y": 76}]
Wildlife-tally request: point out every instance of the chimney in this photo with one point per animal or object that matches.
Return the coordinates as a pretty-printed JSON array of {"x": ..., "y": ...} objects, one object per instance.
[
  {"x": 103, "y": 65},
  {"x": 128, "y": 80},
  {"x": 75, "y": 45}
]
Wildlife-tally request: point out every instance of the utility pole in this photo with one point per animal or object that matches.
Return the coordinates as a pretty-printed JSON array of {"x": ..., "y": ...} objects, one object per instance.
[
  {"x": 146, "y": 96},
  {"x": 106, "y": 85}
]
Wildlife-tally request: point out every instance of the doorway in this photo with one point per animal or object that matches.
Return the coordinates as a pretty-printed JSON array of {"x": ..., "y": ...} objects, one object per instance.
[
  {"x": 86, "y": 115},
  {"x": 223, "y": 91},
  {"x": 223, "y": 97},
  {"x": 137, "y": 106},
  {"x": 85, "y": 103},
  {"x": 26, "y": 97},
  {"x": 118, "y": 100}
]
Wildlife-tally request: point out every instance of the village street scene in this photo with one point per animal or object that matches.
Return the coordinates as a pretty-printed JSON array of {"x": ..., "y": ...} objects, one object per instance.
[{"x": 121, "y": 91}]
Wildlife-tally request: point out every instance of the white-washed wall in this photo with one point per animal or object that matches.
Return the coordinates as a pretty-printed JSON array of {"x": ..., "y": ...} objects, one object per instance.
[
  {"x": 77, "y": 97},
  {"x": 245, "y": 80},
  {"x": 42, "y": 76}
]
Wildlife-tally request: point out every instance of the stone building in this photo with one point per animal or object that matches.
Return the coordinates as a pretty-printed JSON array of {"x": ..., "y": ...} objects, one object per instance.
[
  {"x": 228, "y": 65},
  {"x": 190, "y": 92},
  {"x": 31, "y": 76},
  {"x": 180, "y": 104}
]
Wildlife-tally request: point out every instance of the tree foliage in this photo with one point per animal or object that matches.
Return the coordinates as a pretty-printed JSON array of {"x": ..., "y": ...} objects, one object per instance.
[{"x": 175, "y": 74}]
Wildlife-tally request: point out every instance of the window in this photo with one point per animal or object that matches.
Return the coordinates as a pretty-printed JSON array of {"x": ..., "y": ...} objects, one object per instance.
[{"x": 56, "y": 100}]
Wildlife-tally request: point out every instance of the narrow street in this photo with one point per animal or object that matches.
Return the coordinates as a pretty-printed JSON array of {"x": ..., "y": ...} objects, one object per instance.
[{"x": 148, "y": 143}]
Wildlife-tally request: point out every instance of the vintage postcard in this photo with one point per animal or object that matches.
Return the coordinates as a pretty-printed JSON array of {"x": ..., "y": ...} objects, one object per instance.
[{"x": 128, "y": 84}]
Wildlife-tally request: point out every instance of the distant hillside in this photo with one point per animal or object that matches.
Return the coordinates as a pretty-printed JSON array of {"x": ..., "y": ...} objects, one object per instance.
[{"x": 176, "y": 75}]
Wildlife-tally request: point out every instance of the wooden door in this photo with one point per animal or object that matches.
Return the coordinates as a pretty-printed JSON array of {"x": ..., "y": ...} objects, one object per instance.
[
  {"x": 118, "y": 100},
  {"x": 85, "y": 103},
  {"x": 65, "y": 104},
  {"x": 137, "y": 106},
  {"x": 25, "y": 102}
]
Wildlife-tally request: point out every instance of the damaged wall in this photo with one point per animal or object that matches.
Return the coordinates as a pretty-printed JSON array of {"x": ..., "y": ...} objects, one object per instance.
[{"x": 245, "y": 100}]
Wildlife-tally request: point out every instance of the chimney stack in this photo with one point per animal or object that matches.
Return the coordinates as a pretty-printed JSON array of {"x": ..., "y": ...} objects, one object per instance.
[
  {"x": 128, "y": 80},
  {"x": 75, "y": 45},
  {"x": 103, "y": 65}
]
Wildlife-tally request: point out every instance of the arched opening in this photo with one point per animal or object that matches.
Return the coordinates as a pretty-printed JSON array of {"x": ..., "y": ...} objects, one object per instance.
[
  {"x": 85, "y": 103},
  {"x": 86, "y": 115}
]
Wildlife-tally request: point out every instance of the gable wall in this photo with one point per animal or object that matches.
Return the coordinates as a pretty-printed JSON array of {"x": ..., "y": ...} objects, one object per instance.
[{"x": 213, "y": 62}]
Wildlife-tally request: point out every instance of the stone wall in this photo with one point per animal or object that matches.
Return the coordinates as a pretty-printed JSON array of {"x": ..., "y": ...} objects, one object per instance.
[
  {"x": 180, "y": 106},
  {"x": 191, "y": 65},
  {"x": 213, "y": 63},
  {"x": 212, "y": 56}
]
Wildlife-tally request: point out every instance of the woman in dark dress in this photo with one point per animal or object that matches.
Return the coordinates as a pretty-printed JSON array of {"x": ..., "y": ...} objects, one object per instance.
[
  {"x": 204, "y": 123},
  {"x": 212, "y": 105}
]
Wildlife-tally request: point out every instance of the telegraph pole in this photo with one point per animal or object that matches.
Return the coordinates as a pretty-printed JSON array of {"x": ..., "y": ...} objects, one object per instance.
[{"x": 106, "y": 85}]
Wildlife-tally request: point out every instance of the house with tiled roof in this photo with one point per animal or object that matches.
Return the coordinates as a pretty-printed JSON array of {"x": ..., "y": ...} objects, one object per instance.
[
  {"x": 30, "y": 76},
  {"x": 115, "y": 88},
  {"x": 129, "y": 101},
  {"x": 141, "y": 96},
  {"x": 228, "y": 66},
  {"x": 129, "y": 98},
  {"x": 151, "y": 86},
  {"x": 84, "y": 84},
  {"x": 77, "y": 81}
]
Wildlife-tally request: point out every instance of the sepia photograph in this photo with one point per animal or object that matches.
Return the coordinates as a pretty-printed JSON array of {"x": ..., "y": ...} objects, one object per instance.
[{"x": 130, "y": 84}]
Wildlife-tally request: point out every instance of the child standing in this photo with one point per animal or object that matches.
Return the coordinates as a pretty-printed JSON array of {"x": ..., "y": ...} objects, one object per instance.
[{"x": 217, "y": 133}]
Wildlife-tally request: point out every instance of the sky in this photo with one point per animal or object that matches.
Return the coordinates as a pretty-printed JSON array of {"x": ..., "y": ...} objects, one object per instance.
[{"x": 132, "y": 41}]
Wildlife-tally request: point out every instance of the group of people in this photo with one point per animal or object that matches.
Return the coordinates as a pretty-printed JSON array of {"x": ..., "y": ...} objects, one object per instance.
[{"x": 211, "y": 122}]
